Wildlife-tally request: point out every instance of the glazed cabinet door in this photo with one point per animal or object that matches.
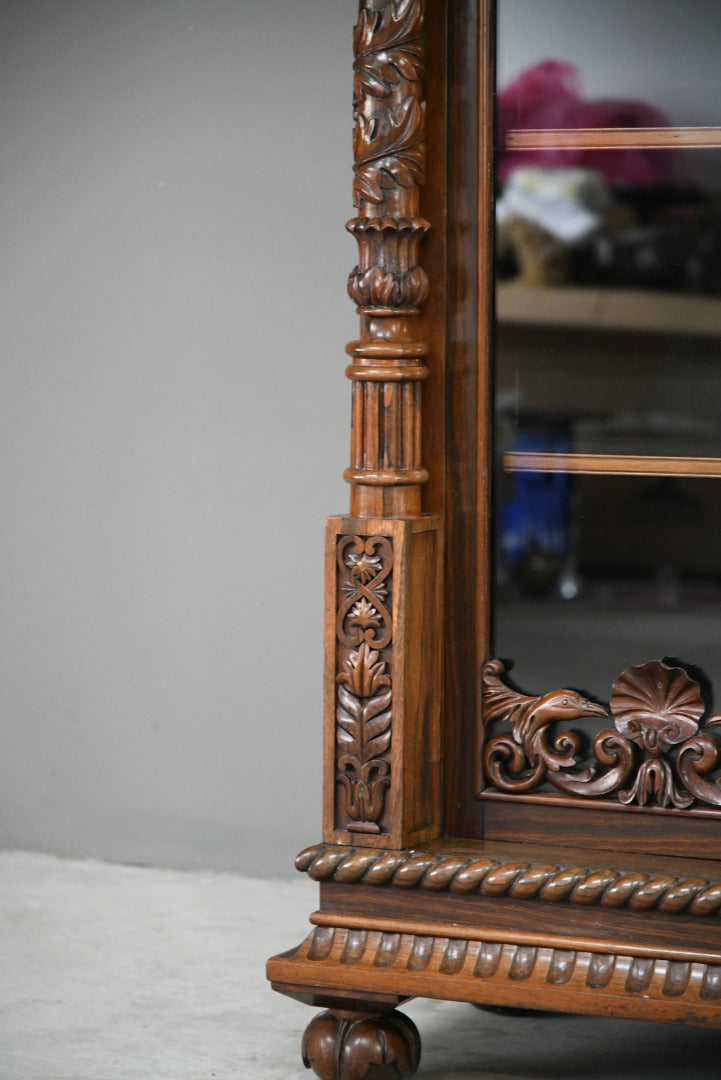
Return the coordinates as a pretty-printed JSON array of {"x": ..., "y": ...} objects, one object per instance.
[{"x": 606, "y": 459}]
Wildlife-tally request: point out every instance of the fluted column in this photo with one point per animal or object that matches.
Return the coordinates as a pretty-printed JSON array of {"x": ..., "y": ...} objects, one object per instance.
[{"x": 388, "y": 284}]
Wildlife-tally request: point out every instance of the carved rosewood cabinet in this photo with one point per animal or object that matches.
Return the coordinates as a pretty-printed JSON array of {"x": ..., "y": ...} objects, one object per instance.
[{"x": 542, "y": 848}]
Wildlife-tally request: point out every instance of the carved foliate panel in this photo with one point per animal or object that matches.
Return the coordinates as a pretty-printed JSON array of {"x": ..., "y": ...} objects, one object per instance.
[
  {"x": 364, "y": 691},
  {"x": 389, "y": 153},
  {"x": 388, "y": 138},
  {"x": 382, "y": 783},
  {"x": 663, "y": 750}
]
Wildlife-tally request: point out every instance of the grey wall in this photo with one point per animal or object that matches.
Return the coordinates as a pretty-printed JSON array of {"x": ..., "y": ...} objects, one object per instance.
[
  {"x": 175, "y": 179},
  {"x": 174, "y": 183}
]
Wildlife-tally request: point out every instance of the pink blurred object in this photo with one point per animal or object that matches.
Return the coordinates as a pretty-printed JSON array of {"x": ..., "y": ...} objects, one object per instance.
[{"x": 548, "y": 95}]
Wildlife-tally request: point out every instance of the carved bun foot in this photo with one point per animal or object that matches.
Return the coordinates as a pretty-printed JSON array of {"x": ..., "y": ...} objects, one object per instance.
[{"x": 374, "y": 1047}]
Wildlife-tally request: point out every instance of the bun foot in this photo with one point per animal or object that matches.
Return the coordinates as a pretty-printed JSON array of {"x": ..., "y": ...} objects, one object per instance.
[{"x": 338, "y": 1047}]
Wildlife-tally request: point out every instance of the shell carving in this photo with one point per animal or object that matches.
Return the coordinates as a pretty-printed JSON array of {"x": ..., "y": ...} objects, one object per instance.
[
  {"x": 656, "y": 705},
  {"x": 662, "y": 751}
]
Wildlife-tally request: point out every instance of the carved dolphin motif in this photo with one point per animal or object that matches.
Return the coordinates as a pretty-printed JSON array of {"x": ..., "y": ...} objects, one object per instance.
[
  {"x": 534, "y": 713},
  {"x": 527, "y": 714}
]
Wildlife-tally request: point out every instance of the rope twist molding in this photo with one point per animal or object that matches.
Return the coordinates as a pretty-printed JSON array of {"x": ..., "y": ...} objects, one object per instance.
[{"x": 437, "y": 872}]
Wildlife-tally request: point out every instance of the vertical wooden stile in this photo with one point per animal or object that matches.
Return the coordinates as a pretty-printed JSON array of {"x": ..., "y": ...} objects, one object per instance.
[{"x": 383, "y": 561}]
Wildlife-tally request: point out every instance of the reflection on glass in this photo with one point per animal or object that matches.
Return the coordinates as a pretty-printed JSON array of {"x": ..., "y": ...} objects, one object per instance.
[{"x": 608, "y": 357}]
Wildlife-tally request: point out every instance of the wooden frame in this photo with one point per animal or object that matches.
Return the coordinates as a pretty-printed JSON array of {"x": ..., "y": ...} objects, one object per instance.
[{"x": 426, "y": 889}]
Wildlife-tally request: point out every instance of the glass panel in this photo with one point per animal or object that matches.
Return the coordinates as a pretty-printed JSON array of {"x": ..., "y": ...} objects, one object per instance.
[
  {"x": 608, "y": 338},
  {"x": 599, "y": 573}
]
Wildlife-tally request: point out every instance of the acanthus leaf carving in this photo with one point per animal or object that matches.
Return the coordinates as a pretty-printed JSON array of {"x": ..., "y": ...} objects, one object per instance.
[
  {"x": 388, "y": 35},
  {"x": 388, "y": 138},
  {"x": 389, "y": 149},
  {"x": 364, "y": 674},
  {"x": 364, "y": 691},
  {"x": 377, "y": 72},
  {"x": 386, "y": 22},
  {"x": 654, "y": 755},
  {"x": 382, "y": 288},
  {"x": 388, "y": 274}
]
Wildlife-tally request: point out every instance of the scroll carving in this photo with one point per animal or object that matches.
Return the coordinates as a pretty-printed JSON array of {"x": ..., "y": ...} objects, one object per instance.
[
  {"x": 661, "y": 751},
  {"x": 364, "y": 629},
  {"x": 365, "y": 567}
]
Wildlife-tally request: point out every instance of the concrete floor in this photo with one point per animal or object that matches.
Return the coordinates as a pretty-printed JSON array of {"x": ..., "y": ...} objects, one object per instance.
[{"x": 122, "y": 973}]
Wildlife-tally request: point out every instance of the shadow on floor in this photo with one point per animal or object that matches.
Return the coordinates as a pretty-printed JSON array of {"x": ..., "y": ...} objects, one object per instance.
[{"x": 463, "y": 1043}]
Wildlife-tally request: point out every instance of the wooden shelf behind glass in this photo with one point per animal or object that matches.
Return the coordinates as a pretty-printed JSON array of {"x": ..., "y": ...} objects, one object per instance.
[
  {"x": 610, "y": 309},
  {"x": 665, "y": 138},
  {"x": 612, "y": 464}
]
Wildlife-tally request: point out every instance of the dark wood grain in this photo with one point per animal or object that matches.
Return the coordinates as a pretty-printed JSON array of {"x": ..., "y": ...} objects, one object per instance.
[
  {"x": 671, "y": 833},
  {"x": 465, "y": 479},
  {"x": 539, "y": 922}
]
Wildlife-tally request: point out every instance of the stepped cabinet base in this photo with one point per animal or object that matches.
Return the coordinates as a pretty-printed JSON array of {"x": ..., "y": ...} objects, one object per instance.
[{"x": 561, "y": 930}]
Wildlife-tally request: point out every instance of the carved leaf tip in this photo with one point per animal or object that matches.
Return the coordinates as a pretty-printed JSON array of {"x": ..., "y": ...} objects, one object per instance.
[{"x": 364, "y": 672}]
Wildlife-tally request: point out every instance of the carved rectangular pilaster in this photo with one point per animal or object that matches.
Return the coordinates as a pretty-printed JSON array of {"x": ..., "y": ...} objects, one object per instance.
[{"x": 382, "y": 680}]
